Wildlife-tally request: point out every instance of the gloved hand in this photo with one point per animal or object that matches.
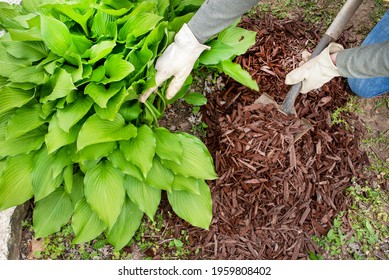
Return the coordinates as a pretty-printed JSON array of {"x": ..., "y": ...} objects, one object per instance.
[
  {"x": 177, "y": 60},
  {"x": 316, "y": 71}
]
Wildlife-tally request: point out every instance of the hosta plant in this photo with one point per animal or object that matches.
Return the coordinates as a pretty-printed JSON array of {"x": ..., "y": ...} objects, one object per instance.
[{"x": 73, "y": 135}]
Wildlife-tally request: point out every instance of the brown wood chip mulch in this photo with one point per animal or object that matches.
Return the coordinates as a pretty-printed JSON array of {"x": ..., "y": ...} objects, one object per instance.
[{"x": 281, "y": 178}]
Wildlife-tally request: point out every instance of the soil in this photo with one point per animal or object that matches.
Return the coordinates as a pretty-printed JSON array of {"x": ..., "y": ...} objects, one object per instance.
[{"x": 281, "y": 178}]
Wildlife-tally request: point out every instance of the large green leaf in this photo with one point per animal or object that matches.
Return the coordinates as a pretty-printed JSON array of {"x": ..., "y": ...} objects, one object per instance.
[
  {"x": 116, "y": 68},
  {"x": 33, "y": 74},
  {"x": 86, "y": 224},
  {"x": 113, "y": 106},
  {"x": 15, "y": 181},
  {"x": 30, "y": 51},
  {"x": 145, "y": 197},
  {"x": 77, "y": 192},
  {"x": 103, "y": 25},
  {"x": 119, "y": 161},
  {"x": 196, "y": 161},
  {"x": 238, "y": 38},
  {"x": 74, "y": 112},
  {"x": 92, "y": 152},
  {"x": 24, "y": 120},
  {"x": 139, "y": 25},
  {"x": 159, "y": 176},
  {"x": 194, "y": 208},
  {"x": 104, "y": 191},
  {"x": 168, "y": 145},
  {"x": 140, "y": 150},
  {"x": 100, "y": 94},
  {"x": 125, "y": 226},
  {"x": 189, "y": 184},
  {"x": 236, "y": 72},
  {"x": 52, "y": 212},
  {"x": 57, "y": 138},
  {"x": 96, "y": 130},
  {"x": 13, "y": 98},
  {"x": 55, "y": 34},
  {"x": 100, "y": 50},
  {"x": 63, "y": 86},
  {"x": 43, "y": 180},
  {"x": 21, "y": 145},
  {"x": 218, "y": 53}
]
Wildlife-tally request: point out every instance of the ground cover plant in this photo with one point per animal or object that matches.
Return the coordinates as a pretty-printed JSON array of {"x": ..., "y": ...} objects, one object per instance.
[{"x": 73, "y": 135}]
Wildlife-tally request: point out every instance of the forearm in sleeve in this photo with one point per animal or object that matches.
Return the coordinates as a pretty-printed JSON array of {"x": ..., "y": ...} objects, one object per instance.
[
  {"x": 215, "y": 15},
  {"x": 364, "y": 61}
]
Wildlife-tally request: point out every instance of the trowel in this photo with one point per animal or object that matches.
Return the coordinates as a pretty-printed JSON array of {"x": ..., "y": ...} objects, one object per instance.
[{"x": 331, "y": 35}]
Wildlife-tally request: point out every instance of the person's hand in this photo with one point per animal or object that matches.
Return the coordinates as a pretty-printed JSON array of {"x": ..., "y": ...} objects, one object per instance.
[
  {"x": 316, "y": 71},
  {"x": 177, "y": 60}
]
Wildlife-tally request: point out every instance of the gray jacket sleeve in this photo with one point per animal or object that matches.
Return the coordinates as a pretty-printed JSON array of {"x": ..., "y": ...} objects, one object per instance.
[
  {"x": 215, "y": 15},
  {"x": 364, "y": 61}
]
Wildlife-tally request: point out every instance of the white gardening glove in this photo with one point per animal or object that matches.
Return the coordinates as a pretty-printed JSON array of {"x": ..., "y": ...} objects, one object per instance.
[
  {"x": 177, "y": 60},
  {"x": 316, "y": 71}
]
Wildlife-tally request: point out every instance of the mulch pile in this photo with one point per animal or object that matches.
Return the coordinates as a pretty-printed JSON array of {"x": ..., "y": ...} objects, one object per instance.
[{"x": 281, "y": 178}]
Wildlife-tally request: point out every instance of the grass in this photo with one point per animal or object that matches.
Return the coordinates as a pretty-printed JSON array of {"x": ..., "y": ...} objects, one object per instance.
[{"x": 361, "y": 231}]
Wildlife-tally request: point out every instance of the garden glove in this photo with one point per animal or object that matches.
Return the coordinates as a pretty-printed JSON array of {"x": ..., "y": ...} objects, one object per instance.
[
  {"x": 316, "y": 71},
  {"x": 177, "y": 60}
]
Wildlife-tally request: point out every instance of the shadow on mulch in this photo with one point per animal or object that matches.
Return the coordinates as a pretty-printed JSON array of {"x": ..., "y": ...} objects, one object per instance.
[{"x": 278, "y": 183}]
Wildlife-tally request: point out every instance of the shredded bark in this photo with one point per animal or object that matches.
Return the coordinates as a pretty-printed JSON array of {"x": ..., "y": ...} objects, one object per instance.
[{"x": 281, "y": 178}]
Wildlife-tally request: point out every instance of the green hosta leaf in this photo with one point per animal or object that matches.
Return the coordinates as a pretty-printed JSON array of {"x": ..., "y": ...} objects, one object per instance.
[
  {"x": 113, "y": 106},
  {"x": 87, "y": 165},
  {"x": 159, "y": 176},
  {"x": 100, "y": 50},
  {"x": 24, "y": 120},
  {"x": 63, "y": 86},
  {"x": 194, "y": 208},
  {"x": 236, "y": 72},
  {"x": 30, "y": 51},
  {"x": 145, "y": 197},
  {"x": 43, "y": 180},
  {"x": 195, "y": 98},
  {"x": 238, "y": 38},
  {"x": 139, "y": 25},
  {"x": 140, "y": 150},
  {"x": 77, "y": 192},
  {"x": 13, "y": 98},
  {"x": 57, "y": 138},
  {"x": 196, "y": 161},
  {"x": 22, "y": 145},
  {"x": 104, "y": 25},
  {"x": 68, "y": 178},
  {"x": 168, "y": 145},
  {"x": 15, "y": 181},
  {"x": 189, "y": 184},
  {"x": 52, "y": 212},
  {"x": 56, "y": 35},
  {"x": 73, "y": 13},
  {"x": 98, "y": 74},
  {"x": 32, "y": 74},
  {"x": 86, "y": 224},
  {"x": 219, "y": 52},
  {"x": 74, "y": 112},
  {"x": 81, "y": 44},
  {"x": 119, "y": 161},
  {"x": 96, "y": 130},
  {"x": 32, "y": 34},
  {"x": 116, "y": 68},
  {"x": 126, "y": 225},
  {"x": 100, "y": 94},
  {"x": 104, "y": 191},
  {"x": 92, "y": 152}
]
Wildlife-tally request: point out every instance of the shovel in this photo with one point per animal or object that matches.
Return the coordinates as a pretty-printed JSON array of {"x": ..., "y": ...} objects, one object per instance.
[{"x": 331, "y": 35}]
